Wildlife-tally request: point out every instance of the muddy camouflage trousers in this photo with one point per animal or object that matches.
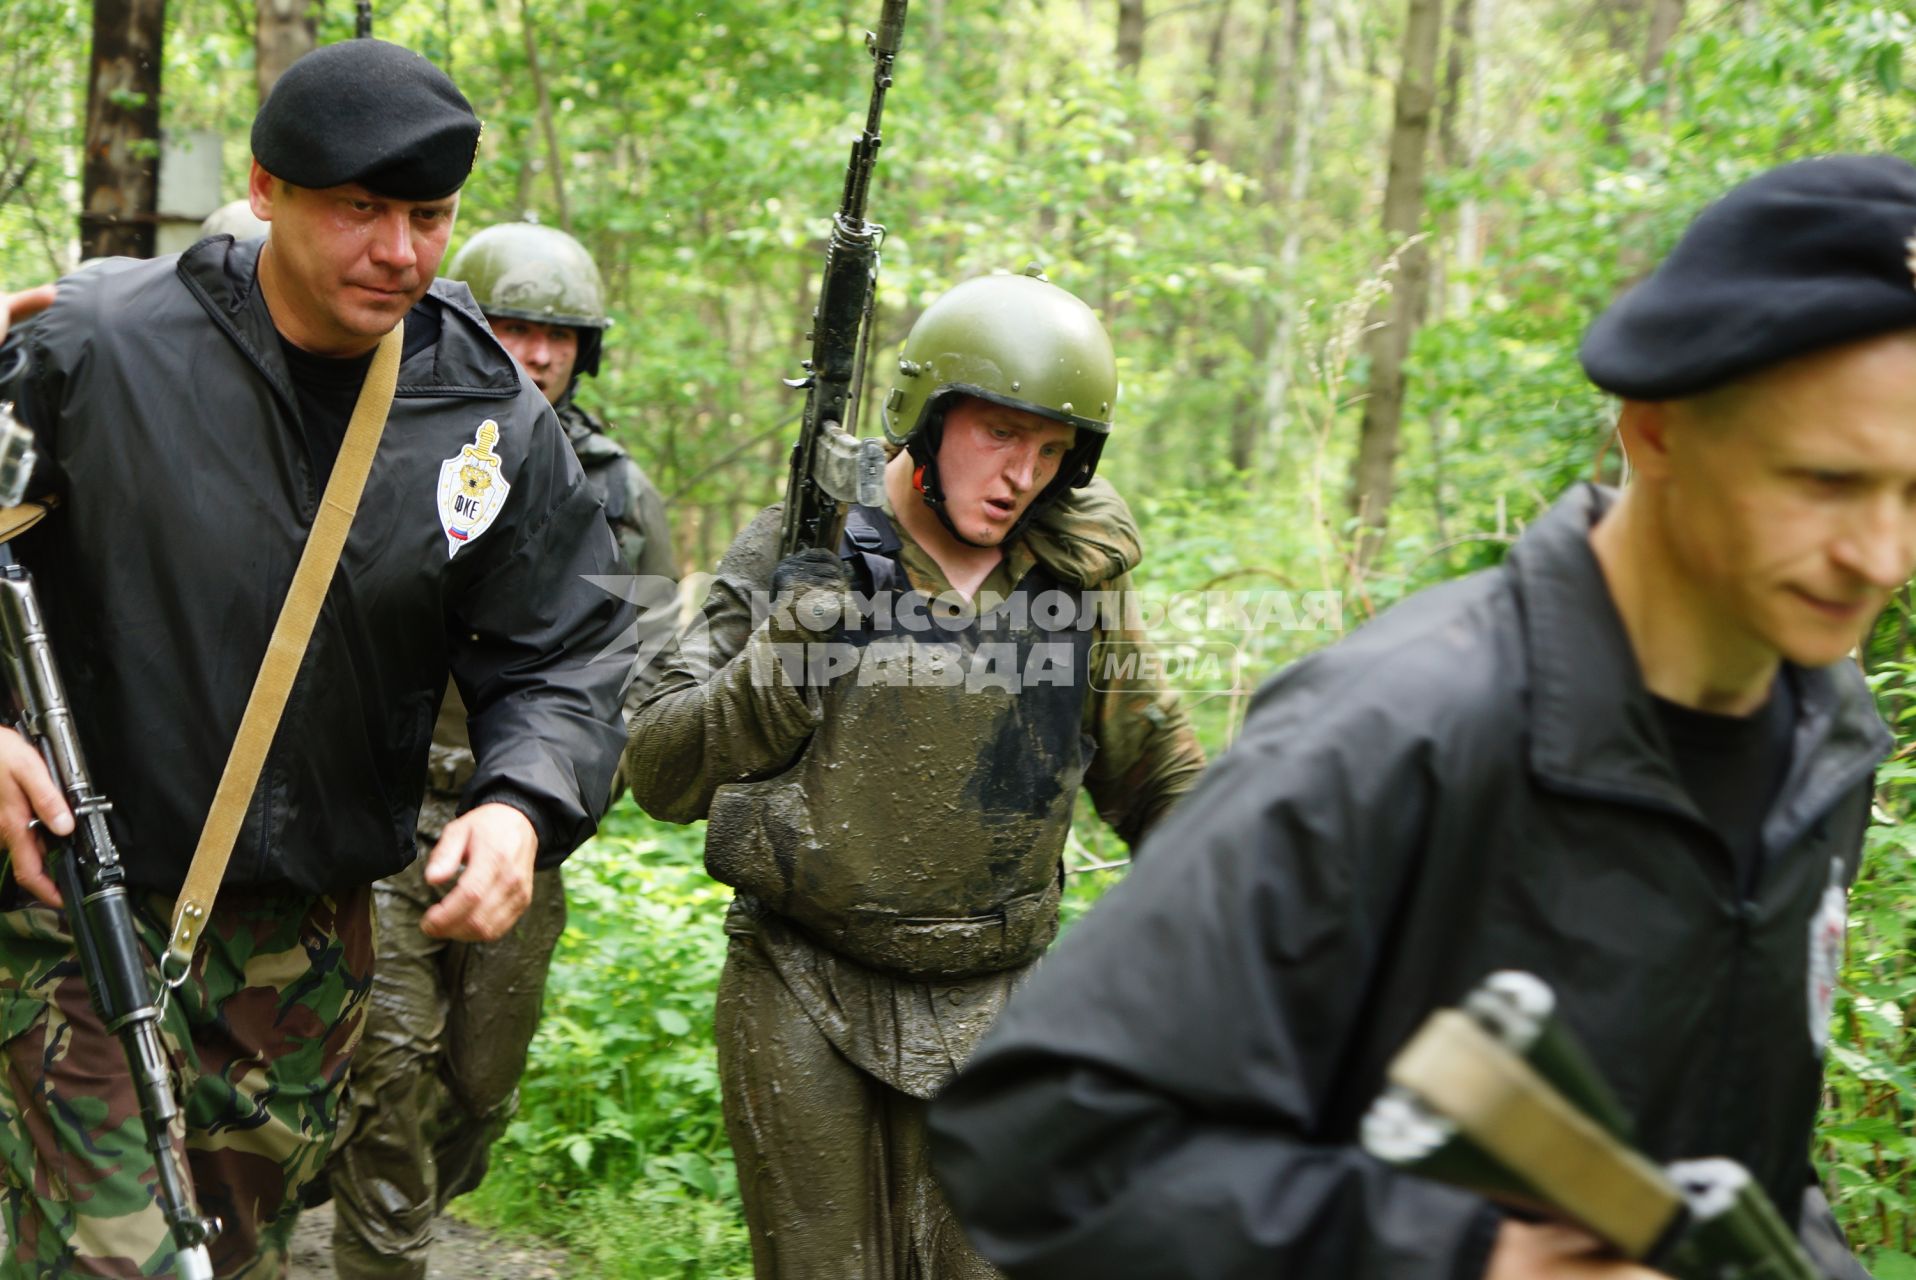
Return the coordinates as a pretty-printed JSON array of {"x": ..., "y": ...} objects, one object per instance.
[
  {"x": 437, "y": 1078},
  {"x": 833, "y": 1164},
  {"x": 258, "y": 1040}
]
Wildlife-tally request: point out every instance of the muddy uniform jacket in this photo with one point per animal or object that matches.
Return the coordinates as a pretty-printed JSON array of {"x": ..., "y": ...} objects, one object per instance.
[
  {"x": 1476, "y": 781},
  {"x": 635, "y": 510},
  {"x": 725, "y": 714},
  {"x": 169, "y": 429}
]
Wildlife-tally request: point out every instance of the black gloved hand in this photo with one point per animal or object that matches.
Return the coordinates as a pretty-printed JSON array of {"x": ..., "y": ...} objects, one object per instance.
[{"x": 811, "y": 595}]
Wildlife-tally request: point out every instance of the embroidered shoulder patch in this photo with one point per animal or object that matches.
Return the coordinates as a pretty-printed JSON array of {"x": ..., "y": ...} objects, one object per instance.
[{"x": 471, "y": 489}]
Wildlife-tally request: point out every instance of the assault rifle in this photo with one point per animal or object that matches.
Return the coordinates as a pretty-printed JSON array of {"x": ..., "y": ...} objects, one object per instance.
[
  {"x": 1499, "y": 1098},
  {"x": 831, "y": 466},
  {"x": 92, "y": 878}
]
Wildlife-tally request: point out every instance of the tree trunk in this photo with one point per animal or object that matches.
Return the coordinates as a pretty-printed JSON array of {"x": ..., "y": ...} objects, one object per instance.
[
  {"x": 1621, "y": 21},
  {"x": 1306, "y": 106},
  {"x": 1284, "y": 57},
  {"x": 1665, "y": 17},
  {"x": 555, "y": 162},
  {"x": 285, "y": 32},
  {"x": 121, "y": 178},
  {"x": 1130, "y": 35},
  {"x": 1451, "y": 148},
  {"x": 932, "y": 33},
  {"x": 1203, "y": 140},
  {"x": 1373, "y": 478},
  {"x": 1467, "y": 240},
  {"x": 1272, "y": 105}
]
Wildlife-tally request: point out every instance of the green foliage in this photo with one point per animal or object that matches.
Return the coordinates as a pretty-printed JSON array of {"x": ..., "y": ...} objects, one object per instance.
[
  {"x": 618, "y": 1148},
  {"x": 1865, "y": 1143}
]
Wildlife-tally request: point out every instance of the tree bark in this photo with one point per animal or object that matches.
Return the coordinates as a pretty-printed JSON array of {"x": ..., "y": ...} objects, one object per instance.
[
  {"x": 285, "y": 31},
  {"x": 1305, "y": 108},
  {"x": 1665, "y": 17},
  {"x": 1455, "y": 140},
  {"x": 555, "y": 162},
  {"x": 1284, "y": 56},
  {"x": 1130, "y": 35},
  {"x": 121, "y": 174},
  {"x": 1373, "y": 478},
  {"x": 1204, "y": 114},
  {"x": 1451, "y": 148},
  {"x": 1621, "y": 21}
]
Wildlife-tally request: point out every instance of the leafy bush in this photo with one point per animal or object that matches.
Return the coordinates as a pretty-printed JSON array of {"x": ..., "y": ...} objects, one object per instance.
[{"x": 619, "y": 1149}]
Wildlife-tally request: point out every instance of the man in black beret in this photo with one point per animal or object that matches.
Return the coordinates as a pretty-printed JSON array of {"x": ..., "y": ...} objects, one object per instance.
[
  {"x": 188, "y": 413},
  {"x": 1634, "y": 760}
]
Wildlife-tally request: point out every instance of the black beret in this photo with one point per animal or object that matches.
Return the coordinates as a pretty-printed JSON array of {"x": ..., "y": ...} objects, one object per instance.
[
  {"x": 1806, "y": 256},
  {"x": 369, "y": 112}
]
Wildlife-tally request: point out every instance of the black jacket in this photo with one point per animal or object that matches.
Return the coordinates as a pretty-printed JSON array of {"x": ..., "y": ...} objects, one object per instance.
[
  {"x": 169, "y": 428},
  {"x": 1476, "y": 781}
]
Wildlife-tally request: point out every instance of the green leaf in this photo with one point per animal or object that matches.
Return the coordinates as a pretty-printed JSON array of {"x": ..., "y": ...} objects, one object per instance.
[{"x": 1892, "y": 1264}]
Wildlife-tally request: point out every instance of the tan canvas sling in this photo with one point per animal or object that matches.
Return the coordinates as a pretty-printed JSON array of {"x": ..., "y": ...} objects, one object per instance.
[{"x": 283, "y": 655}]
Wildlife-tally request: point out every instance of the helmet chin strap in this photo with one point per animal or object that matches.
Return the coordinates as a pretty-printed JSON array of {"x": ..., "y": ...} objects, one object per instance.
[{"x": 924, "y": 478}]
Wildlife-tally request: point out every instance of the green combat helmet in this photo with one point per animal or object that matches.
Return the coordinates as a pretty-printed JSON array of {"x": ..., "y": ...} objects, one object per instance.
[
  {"x": 1014, "y": 340},
  {"x": 525, "y": 271},
  {"x": 235, "y": 219}
]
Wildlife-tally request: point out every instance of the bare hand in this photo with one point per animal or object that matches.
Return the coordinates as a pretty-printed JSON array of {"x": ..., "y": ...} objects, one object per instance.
[
  {"x": 15, "y": 307},
  {"x": 1553, "y": 1252},
  {"x": 490, "y": 850},
  {"x": 28, "y": 791}
]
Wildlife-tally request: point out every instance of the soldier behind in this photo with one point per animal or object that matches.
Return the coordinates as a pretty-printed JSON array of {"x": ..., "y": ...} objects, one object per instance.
[
  {"x": 1635, "y": 760},
  {"x": 436, "y": 1080},
  {"x": 189, "y": 411},
  {"x": 922, "y": 799}
]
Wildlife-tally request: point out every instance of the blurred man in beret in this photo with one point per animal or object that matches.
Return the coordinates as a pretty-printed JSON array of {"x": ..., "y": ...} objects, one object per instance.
[
  {"x": 1635, "y": 760},
  {"x": 189, "y": 411}
]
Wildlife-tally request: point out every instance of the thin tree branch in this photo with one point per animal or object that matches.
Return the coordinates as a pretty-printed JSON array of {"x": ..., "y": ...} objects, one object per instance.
[{"x": 554, "y": 161}]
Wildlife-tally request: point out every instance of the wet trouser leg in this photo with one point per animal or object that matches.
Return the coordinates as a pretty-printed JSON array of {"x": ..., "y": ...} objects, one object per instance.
[
  {"x": 436, "y": 1081},
  {"x": 497, "y": 991},
  {"x": 383, "y": 1179},
  {"x": 258, "y": 1039},
  {"x": 832, "y": 1162}
]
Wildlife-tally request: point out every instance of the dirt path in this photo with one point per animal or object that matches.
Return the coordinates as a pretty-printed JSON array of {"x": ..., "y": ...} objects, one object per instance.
[{"x": 462, "y": 1252}]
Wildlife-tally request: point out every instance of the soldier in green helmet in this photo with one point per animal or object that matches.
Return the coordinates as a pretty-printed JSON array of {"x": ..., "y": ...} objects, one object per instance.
[
  {"x": 888, "y": 739},
  {"x": 436, "y": 1079}
]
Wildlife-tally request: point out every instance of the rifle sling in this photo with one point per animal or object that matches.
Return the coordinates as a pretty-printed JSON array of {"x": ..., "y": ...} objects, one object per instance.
[
  {"x": 1501, "y": 1103},
  {"x": 284, "y": 653}
]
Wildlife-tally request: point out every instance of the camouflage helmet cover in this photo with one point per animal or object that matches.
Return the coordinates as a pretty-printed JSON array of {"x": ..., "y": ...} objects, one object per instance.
[
  {"x": 1016, "y": 340},
  {"x": 235, "y": 219},
  {"x": 526, "y": 271}
]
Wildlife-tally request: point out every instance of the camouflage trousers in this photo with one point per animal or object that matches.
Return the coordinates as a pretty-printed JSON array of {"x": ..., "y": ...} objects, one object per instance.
[
  {"x": 437, "y": 1078},
  {"x": 257, "y": 1040},
  {"x": 834, "y": 1166}
]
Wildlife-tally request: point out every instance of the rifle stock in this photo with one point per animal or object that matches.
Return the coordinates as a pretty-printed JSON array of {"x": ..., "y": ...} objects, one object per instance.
[{"x": 1499, "y": 1099}]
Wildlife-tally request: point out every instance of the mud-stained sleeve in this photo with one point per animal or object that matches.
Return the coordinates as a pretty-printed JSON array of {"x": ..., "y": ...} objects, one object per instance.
[
  {"x": 1147, "y": 755},
  {"x": 724, "y": 709}
]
